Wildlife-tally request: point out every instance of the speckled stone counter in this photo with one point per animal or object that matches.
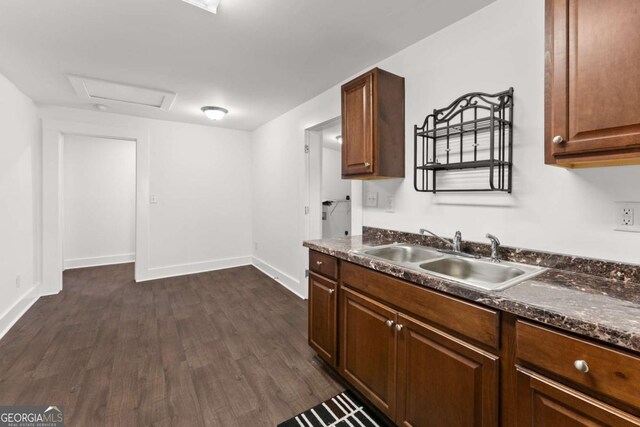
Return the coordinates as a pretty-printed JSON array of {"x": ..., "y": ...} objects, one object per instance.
[{"x": 606, "y": 309}]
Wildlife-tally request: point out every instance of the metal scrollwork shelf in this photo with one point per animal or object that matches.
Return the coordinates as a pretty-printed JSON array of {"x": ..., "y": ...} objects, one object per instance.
[{"x": 474, "y": 132}]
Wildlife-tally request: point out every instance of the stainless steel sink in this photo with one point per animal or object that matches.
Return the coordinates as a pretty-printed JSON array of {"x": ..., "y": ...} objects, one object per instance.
[
  {"x": 481, "y": 273},
  {"x": 404, "y": 253}
]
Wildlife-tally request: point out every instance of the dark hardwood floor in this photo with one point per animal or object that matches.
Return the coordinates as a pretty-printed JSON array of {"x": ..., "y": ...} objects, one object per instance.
[{"x": 224, "y": 348}]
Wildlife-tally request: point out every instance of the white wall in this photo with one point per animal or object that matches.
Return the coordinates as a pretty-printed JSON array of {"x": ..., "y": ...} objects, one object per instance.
[
  {"x": 278, "y": 166},
  {"x": 201, "y": 178},
  {"x": 99, "y": 201},
  {"x": 502, "y": 45},
  {"x": 20, "y": 158}
]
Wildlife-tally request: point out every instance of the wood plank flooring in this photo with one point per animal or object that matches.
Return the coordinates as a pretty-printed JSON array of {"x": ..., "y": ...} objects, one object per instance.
[{"x": 224, "y": 348}]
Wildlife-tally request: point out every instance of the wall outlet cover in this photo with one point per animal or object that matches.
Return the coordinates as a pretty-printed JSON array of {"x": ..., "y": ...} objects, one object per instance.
[
  {"x": 389, "y": 204},
  {"x": 627, "y": 216}
]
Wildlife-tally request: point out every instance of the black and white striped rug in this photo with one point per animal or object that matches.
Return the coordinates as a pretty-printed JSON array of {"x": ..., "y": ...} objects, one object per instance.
[{"x": 343, "y": 410}]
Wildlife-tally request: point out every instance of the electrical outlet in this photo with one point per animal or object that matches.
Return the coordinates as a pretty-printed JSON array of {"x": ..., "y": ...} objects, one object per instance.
[
  {"x": 389, "y": 204},
  {"x": 18, "y": 281},
  {"x": 626, "y": 216}
]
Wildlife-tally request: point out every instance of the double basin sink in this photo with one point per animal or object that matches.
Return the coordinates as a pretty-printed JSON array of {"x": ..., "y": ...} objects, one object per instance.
[{"x": 476, "y": 272}]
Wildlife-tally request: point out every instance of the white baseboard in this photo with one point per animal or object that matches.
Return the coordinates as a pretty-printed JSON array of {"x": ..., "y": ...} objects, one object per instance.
[
  {"x": 15, "y": 312},
  {"x": 97, "y": 261},
  {"x": 284, "y": 279},
  {"x": 193, "y": 268}
]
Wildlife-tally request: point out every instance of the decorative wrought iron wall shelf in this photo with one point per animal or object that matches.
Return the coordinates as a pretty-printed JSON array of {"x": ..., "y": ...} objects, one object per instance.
[{"x": 474, "y": 132}]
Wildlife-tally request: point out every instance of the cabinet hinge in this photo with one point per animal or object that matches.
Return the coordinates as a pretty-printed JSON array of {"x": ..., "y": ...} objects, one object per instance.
[
  {"x": 306, "y": 148},
  {"x": 306, "y": 210}
]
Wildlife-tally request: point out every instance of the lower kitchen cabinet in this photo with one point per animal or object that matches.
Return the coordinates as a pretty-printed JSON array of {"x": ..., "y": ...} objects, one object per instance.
[
  {"x": 322, "y": 317},
  {"x": 427, "y": 359},
  {"x": 543, "y": 402},
  {"x": 368, "y": 348},
  {"x": 443, "y": 381},
  {"x": 413, "y": 372}
]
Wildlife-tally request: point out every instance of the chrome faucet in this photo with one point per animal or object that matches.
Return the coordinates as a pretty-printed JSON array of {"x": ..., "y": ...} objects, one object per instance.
[
  {"x": 456, "y": 243},
  {"x": 495, "y": 247},
  {"x": 424, "y": 231}
]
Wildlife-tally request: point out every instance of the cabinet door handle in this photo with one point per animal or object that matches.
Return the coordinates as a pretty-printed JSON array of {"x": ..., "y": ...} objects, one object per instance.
[
  {"x": 557, "y": 139},
  {"x": 389, "y": 323},
  {"x": 331, "y": 291},
  {"x": 398, "y": 327},
  {"x": 319, "y": 262},
  {"x": 581, "y": 366},
  {"x": 367, "y": 164}
]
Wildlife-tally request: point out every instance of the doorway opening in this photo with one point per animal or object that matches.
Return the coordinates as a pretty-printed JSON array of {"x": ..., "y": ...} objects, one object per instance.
[
  {"x": 99, "y": 197},
  {"x": 335, "y": 192},
  {"x": 55, "y": 135},
  {"x": 332, "y": 206}
]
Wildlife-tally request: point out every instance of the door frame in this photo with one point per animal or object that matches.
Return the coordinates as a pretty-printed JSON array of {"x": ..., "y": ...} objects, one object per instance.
[
  {"x": 311, "y": 192},
  {"x": 53, "y": 134}
]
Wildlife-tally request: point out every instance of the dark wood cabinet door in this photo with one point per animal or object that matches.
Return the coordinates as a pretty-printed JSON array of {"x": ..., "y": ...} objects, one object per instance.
[
  {"x": 368, "y": 348},
  {"x": 592, "y": 87},
  {"x": 358, "y": 126},
  {"x": 322, "y": 317},
  {"x": 543, "y": 402},
  {"x": 443, "y": 381}
]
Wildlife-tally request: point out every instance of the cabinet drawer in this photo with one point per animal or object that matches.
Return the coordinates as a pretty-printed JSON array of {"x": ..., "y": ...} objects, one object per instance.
[
  {"x": 608, "y": 372},
  {"x": 325, "y": 265},
  {"x": 473, "y": 321}
]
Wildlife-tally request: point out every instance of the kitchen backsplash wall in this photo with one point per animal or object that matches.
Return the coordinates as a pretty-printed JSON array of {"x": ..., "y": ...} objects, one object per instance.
[{"x": 551, "y": 209}]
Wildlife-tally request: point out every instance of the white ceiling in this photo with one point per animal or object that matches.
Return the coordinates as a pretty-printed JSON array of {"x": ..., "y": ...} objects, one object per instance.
[{"x": 258, "y": 58}]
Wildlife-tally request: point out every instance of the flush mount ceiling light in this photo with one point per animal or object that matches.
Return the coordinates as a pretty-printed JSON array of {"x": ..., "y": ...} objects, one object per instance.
[
  {"x": 214, "y": 113},
  {"x": 208, "y": 5}
]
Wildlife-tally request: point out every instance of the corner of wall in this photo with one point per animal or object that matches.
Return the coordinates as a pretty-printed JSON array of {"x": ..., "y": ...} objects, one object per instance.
[
  {"x": 284, "y": 279},
  {"x": 18, "y": 309}
]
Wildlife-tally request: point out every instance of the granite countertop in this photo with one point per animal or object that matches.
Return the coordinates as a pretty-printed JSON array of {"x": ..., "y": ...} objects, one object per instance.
[{"x": 601, "y": 308}]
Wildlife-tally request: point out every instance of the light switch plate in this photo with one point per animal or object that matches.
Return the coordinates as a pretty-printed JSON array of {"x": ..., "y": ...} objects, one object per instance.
[
  {"x": 371, "y": 201},
  {"x": 627, "y": 216}
]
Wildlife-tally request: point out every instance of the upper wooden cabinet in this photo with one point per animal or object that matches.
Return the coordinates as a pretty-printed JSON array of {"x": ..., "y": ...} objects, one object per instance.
[
  {"x": 373, "y": 126},
  {"x": 592, "y": 88}
]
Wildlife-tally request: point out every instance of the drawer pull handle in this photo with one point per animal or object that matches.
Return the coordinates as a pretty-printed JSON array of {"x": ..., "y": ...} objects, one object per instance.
[
  {"x": 398, "y": 327},
  {"x": 319, "y": 262},
  {"x": 389, "y": 323},
  {"x": 331, "y": 291},
  {"x": 557, "y": 140},
  {"x": 581, "y": 366}
]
